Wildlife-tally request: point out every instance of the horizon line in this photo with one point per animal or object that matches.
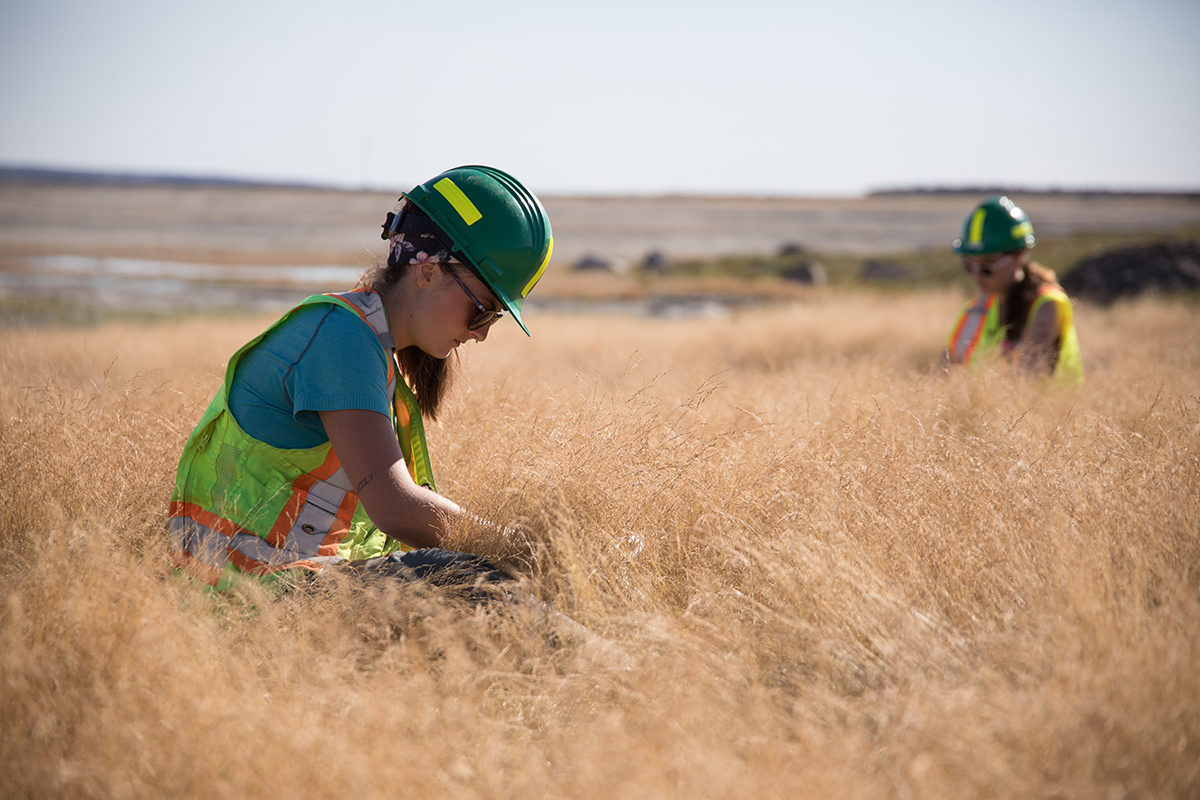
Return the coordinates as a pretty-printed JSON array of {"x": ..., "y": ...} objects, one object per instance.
[{"x": 38, "y": 174}]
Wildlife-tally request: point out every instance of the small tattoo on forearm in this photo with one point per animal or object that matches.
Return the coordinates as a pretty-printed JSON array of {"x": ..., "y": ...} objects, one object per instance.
[{"x": 364, "y": 482}]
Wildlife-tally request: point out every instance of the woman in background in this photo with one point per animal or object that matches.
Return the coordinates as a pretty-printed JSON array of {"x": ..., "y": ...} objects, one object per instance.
[
  {"x": 312, "y": 456},
  {"x": 1021, "y": 312}
]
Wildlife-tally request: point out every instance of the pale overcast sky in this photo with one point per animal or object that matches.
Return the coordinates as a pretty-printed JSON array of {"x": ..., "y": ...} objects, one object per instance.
[{"x": 622, "y": 96}]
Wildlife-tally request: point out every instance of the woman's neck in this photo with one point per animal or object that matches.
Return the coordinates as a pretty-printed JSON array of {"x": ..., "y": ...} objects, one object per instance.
[{"x": 395, "y": 308}]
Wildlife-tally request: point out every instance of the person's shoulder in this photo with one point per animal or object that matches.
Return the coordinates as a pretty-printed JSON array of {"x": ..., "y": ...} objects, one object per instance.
[
  {"x": 326, "y": 311},
  {"x": 310, "y": 313},
  {"x": 329, "y": 324},
  {"x": 348, "y": 325},
  {"x": 1052, "y": 290}
]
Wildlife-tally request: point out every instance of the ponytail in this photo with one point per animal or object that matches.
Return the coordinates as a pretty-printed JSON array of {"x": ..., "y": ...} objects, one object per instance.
[
  {"x": 1021, "y": 296},
  {"x": 428, "y": 377}
]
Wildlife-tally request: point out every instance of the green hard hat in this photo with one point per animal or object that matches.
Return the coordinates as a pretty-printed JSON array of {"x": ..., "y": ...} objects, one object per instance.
[
  {"x": 995, "y": 226},
  {"x": 495, "y": 225}
]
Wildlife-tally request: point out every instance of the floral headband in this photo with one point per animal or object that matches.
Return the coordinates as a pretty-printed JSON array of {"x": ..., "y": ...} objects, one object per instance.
[
  {"x": 416, "y": 249},
  {"x": 416, "y": 242}
]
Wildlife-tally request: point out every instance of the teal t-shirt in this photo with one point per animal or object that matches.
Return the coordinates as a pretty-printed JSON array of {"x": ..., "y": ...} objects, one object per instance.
[{"x": 322, "y": 358}]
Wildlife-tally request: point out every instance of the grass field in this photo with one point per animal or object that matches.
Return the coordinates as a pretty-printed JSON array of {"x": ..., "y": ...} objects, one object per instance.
[{"x": 812, "y": 566}]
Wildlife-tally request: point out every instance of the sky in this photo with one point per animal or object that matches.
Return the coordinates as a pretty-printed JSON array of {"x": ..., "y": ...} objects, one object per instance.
[{"x": 767, "y": 97}]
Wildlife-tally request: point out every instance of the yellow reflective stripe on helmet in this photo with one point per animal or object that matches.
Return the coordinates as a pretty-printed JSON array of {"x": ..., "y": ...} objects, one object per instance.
[
  {"x": 537, "y": 275},
  {"x": 1022, "y": 230},
  {"x": 975, "y": 236},
  {"x": 462, "y": 204}
]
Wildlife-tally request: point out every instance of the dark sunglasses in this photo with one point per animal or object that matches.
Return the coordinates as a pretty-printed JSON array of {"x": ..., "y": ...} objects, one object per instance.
[
  {"x": 486, "y": 315},
  {"x": 983, "y": 267}
]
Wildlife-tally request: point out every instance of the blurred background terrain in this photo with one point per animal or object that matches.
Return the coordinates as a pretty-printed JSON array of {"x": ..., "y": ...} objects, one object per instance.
[{"x": 162, "y": 246}]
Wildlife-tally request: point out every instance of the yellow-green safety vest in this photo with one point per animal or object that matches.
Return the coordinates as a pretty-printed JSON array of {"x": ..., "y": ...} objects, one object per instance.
[
  {"x": 978, "y": 331},
  {"x": 242, "y": 507}
]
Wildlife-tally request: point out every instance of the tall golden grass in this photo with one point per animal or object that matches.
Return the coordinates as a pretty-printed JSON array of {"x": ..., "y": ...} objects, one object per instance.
[{"x": 813, "y": 567}]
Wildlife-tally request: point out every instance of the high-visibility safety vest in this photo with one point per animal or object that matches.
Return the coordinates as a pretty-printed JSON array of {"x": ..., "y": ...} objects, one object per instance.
[
  {"x": 978, "y": 333},
  {"x": 242, "y": 507}
]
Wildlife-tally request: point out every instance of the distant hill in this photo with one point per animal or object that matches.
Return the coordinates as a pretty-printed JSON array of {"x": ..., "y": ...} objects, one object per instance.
[
  {"x": 985, "y": 191},
  {"x": 9, "y": 174},
  {"x": 44, "y": 175}
]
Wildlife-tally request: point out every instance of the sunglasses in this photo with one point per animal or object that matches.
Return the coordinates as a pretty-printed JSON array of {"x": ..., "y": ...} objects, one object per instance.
[
  {"x": 485, "y": 315},
  {"x": 984, "y": 266}
]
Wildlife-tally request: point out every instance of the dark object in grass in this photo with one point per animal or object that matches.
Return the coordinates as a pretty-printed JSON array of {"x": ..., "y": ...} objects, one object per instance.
[
  {"x": 810, "y": 272},
  {"x": 591, "y": 262},
  {"x": 471, "y": 577},
  {"x": 655, "y": 261},
  {"x": 1129, "y": 271}
]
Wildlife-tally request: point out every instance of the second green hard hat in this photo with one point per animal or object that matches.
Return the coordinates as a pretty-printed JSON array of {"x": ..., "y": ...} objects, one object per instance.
[{"x": 996, "y": 225}]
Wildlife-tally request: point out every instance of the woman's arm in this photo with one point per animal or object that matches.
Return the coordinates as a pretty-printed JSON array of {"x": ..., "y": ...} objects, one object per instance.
[
  {"x": 365, "y": 443},
  {"x": 1041, "y": 339}
]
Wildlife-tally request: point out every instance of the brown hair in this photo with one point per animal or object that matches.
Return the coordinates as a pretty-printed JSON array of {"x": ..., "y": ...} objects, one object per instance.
[
  {"x": 1020, "y": 298},
  {"x": 429, "y": 377}
]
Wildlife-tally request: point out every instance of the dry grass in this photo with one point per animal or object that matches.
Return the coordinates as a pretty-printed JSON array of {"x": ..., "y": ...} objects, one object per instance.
[{"x": 819, "y": 571}]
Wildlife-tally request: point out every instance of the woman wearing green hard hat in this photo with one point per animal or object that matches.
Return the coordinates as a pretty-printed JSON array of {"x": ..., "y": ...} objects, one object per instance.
[
  {"x": 1021, "y": 313},
  {"x": 312, "y": 456}
]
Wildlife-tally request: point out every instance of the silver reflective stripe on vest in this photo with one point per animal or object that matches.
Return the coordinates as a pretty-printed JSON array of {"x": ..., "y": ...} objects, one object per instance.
[
  {"x": 371, "y": 304},
  {"x": 340, "y": 480},
  {"x": 976, "y": 318},
  {"x": 212, "y": 547},
  {"x": 316, "y": 519},
  {"x": 199, "y": 541},
  {"x": 314, "y": 522},
  {"x": 326, "y": 497}
]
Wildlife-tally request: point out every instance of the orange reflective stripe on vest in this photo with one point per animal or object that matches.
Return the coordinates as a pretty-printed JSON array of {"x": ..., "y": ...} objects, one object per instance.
[{"x": 971, "y": 329}]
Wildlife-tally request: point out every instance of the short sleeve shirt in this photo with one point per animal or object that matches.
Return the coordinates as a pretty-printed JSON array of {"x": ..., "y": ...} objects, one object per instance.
[{"x": 321, "y": 358}]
